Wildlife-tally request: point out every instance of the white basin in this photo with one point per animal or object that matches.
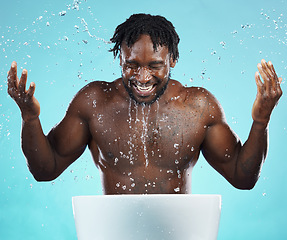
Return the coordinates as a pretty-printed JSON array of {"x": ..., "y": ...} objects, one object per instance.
[{"x": 147, "y": 217}]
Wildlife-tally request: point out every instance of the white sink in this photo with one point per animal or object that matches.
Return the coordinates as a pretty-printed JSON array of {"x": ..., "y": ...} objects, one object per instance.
[{"x": 147, "y": 217}]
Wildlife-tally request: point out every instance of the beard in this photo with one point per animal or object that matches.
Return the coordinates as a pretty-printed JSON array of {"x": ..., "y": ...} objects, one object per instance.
[{"x": 157, "y": 95}]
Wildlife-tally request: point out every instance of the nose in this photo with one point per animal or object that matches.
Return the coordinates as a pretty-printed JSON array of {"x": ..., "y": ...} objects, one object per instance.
[{"x": 143, "y": 75}]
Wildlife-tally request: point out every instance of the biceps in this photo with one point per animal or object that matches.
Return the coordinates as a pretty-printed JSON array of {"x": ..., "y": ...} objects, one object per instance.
[
  {"x": 221, "y": 147},
  {"x": 69, "y": 138}
]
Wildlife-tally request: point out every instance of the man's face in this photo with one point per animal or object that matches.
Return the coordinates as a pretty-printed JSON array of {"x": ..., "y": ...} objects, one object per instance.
[{"x": 145, "y": 72}]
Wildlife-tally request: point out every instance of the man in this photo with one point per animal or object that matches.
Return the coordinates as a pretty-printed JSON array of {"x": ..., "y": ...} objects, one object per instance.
[{"x": 145, "y": 131}]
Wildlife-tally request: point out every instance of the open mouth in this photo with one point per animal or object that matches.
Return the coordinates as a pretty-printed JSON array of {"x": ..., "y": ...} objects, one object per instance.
[{"x": 143, "y": 90}]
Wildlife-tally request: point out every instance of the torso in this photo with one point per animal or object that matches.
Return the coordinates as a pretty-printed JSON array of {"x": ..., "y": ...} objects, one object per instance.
[{"x": 146, "y": 148}]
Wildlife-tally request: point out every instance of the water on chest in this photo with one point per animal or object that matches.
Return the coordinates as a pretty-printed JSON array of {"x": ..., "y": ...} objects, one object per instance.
[{"x": 146, "y": 136}]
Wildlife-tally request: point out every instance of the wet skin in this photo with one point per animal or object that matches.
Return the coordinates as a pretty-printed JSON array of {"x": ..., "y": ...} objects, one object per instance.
[{"x": 144, "y": 139}]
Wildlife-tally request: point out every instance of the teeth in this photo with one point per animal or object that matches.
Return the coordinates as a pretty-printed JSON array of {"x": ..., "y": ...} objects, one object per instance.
[{"x": 144, "y": 88}]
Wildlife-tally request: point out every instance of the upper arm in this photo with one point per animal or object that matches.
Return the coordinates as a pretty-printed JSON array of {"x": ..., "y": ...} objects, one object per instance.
[
  {"x": 221, "y": 146},
  {"x": 70, "y": 137}
]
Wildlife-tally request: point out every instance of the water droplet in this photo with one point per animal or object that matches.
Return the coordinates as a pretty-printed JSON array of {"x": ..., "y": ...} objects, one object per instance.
[
  {"x": 176, "y": 189},
  {"x": 94, "y": 103},
  {"x": 63, "y": 13}
]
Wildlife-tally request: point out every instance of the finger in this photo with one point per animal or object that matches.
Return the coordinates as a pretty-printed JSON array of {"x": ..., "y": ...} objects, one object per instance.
[
  {"x": 277, "y": 80},
  {"x": 273, "y": 77},
  {"x": 12, "y": 80},
  {"x": 13, "y": 74},
  {"x": 260, "y": 85},
  {"x": 23, "y": 81},
  {"x": 264, "y": 76},
  {"x": 266, "y": 68},
  {"x": 271, "y": 67},
  {"x": 31, "y": 90}
]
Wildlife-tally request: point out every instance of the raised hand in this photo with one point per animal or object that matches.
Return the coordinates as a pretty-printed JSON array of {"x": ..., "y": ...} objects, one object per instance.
[
  {"x": 268, "y": 92},
  {"x": 28, "y": 104}
]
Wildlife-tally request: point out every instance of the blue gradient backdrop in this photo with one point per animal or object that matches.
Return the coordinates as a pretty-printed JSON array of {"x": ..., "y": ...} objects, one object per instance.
[{"x": 63, "y": 44}]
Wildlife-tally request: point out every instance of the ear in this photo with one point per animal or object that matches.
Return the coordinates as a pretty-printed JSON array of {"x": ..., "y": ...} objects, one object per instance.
[
  {"x": 121, "y": 61},
  {"x": 172, "y": 62}
]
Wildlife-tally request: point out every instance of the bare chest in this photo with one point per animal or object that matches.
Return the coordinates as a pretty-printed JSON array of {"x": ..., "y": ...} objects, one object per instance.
[{"x": 146, "y": 136}]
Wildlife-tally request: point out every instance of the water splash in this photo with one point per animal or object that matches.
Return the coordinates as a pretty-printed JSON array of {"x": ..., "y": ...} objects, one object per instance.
[
  {"x": 130, "y": 141},
  {"x": 144, "y": 135},
  {"x": 86, "y": 29}
]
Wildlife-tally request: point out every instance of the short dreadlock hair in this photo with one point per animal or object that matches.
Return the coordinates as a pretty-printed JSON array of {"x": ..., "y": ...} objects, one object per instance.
[{"x": 160, "y": 30}]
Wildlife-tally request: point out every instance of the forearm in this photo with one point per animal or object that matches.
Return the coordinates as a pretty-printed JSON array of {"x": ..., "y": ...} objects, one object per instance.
[
  {"x": 37, "y": 149},
  {"x": 252, "y": 156}
]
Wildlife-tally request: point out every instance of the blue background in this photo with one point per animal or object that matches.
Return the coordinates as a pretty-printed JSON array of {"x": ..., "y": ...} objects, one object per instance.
[{"x": 221, "y": 44}]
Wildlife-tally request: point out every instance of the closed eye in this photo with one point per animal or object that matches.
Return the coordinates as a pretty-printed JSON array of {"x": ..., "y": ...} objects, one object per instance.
[
  {"x": 156, "y": 65},
  {"x": 131, "y": 64}
]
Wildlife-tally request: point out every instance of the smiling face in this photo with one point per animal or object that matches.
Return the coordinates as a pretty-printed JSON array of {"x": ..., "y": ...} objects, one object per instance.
[{"x": 145, "y": 71}]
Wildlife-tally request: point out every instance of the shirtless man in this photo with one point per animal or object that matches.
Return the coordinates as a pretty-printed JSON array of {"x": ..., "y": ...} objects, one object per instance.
[{"x": 145, "y": 131}]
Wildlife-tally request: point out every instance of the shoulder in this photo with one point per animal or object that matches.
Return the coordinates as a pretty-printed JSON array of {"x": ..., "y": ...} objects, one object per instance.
[
  {"x": 94, "y": 94},
  {"x": 98, "y": 90},
  {"x": 201, "y": 100},
  {"x": 96, "y": 87},
  {"x": 191, "y": 94}
]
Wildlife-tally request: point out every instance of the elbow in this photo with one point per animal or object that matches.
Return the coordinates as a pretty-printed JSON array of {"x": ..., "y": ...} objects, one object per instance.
[
  {"x": 245, "y": 187},
  {"x": 245, "y": 184},
  {"x": 42, "y": 175},
  {"x": 43, "y": 172},
  {"x": 42, "y": 179}
]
